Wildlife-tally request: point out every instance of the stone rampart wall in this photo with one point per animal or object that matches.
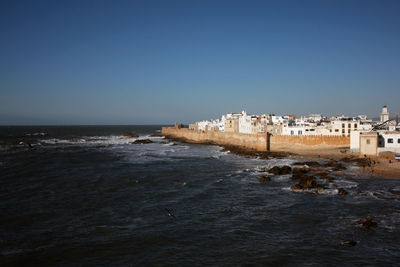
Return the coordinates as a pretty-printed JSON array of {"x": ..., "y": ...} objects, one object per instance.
[
  {"x": 257, "y": 141},
  {"x": 250, "y": 141},
  {"x": 310, "y": 140}
]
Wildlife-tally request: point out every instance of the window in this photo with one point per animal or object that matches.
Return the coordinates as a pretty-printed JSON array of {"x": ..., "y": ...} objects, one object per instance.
[
  {"x": 349, "y": 125},
  {"x": 337, "y": 130},
  {"x": 299, "y": 132},
  {"x": 349, "y": 131},
  {"x": 355, "y": 125},
  {"x": 342, "y": 130},
  {"x": 331, "y": 131},
  {"x": 291, "y": 132},
  {"x": 390, "y": 140},
  {"x": 398, "y": 141},
  {"x": 342, "y": 125},
  {"x": 368, "y": 142}
]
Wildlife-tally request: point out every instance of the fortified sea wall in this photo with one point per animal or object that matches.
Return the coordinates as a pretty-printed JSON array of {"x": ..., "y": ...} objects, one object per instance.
[
  {"x": 310, "y": 140},
  {"x": 251, "y": 141},
  {"x": 259, "y": 141}
]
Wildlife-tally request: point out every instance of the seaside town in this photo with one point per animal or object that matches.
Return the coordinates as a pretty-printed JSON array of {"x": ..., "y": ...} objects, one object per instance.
[{"x": 365, "y": 136}]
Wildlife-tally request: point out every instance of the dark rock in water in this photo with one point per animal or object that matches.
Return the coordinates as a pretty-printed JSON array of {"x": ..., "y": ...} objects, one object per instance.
[
  {"x": 280, "y": 170},
  {"x": 394, "y": 192},
  {"x": 349, "y": 243},
  {"x": 299, "y": 174},
  {"x": 362, "y": 162},
  {"x": 142, "y": 141},
  {"x": 319, "y": 171},
  {"x": 249, "y": 152},
  {"x": 341, "y": 191},
  {"x": 131, "y": 135},
  {"x": 335, "y": 165},
  {"x": 263, "y": 179},
  {"x": 306, "y": 182},
  {"x": 300, "y": 170},
  {"x": 367, "y": 223},
  {"x": 308, "y": 163}
]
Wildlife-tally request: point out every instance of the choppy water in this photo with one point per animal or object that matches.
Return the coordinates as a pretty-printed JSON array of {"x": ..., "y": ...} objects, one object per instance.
[{"x": 86, "y": 196}]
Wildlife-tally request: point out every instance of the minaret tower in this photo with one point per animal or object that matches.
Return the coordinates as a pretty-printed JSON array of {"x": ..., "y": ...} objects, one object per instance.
[{"x": 384, "y": 114}]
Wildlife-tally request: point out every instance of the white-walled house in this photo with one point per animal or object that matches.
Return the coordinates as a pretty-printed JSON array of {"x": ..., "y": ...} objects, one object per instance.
[
  {"x": 355, "y": 140},
  {"x": 293, "y": 130},
  {"x": 389, "y": 141},
  {"x": 203, "y": 125},
  {"x": 245, "y": 123},
  {"x": 343, "y": 127}
]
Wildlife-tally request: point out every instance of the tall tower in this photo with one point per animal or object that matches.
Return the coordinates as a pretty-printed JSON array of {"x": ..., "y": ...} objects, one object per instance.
[{"x": 384, "y": 114}]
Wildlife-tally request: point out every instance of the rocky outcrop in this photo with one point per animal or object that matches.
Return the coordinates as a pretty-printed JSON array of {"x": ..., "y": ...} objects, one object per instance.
[
  {"x": 367, "y": 222},
  {"x": 319, "y": 171},
  {"x": 298, "y": 171},
  {"x": 263, "y": 179},
  {"x": 305, "y": 182},
  {"x": 280, "y": 170},
  {"x": 349, "y": 243},
  {"x": 130, "y": 135},
  {"x": 342, "y": 192},
  {"x": 142, "y": 141},
  {"x": 362, "y": 162},
  {"x": 308, "y": 163},
  {"x": 333, "y": 164}
]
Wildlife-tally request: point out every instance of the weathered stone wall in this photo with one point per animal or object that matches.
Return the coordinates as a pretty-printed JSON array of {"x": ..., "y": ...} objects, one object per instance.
[
  {"x": 250, "y": 141},
  {"x": 257, "y": 141},
  {"x": 310, "y": 140}
]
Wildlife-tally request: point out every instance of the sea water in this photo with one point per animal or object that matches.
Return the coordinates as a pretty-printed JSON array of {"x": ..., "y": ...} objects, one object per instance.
[{"x": 88, "y": 196}]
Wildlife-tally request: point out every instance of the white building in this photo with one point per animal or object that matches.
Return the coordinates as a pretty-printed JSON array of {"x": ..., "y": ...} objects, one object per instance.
[
  {"x": 245, "y": 123},
  {"x": 203, "y": 125},
  {"x": 389, "y": 141},
  {"x": 384, "y": 114},
  {"x": 343, "y": 126},
  {"x": 315, "y": 117}
]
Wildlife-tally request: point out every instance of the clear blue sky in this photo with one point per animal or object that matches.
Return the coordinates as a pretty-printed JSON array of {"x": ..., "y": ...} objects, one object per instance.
[{"x": 150, "y": 62}]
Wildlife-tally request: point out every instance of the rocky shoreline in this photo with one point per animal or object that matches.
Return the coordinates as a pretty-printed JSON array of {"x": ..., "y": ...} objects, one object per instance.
[{"x": 373, "y": 167}]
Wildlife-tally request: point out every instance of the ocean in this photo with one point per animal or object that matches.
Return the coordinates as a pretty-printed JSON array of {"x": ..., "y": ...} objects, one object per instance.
[{"x": 84, "y": 195}]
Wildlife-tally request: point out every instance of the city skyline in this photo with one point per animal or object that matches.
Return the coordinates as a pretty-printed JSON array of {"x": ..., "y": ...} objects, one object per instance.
[{"x": 157, "y": 62}]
